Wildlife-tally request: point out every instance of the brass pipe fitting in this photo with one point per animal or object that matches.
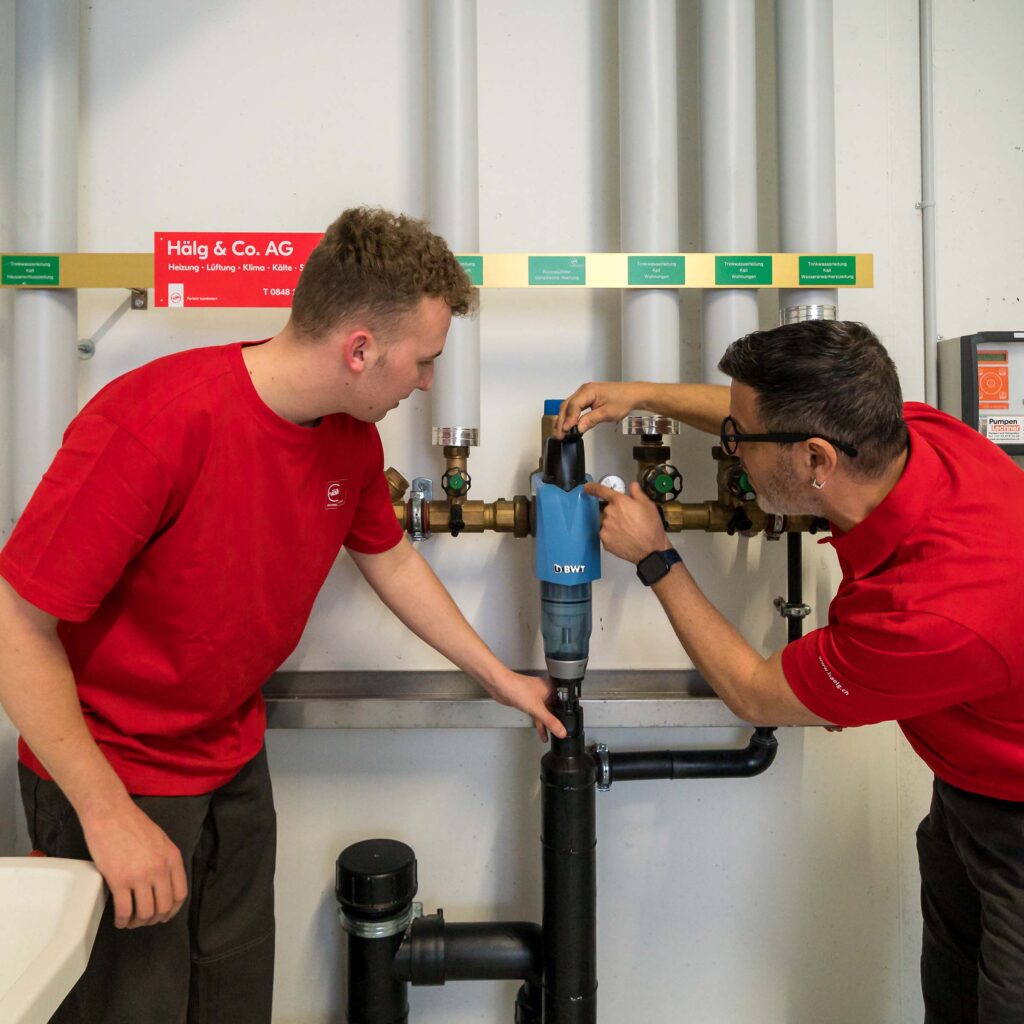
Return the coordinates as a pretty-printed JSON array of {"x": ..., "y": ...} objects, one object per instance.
[
  {"x": 678, "y": 516},
  {"x": 456, "y": 481},
  {"x": 720, "y": 517},
  {"x": 501, "y": 516},
  {"x": 650, "y": 452},
  {"x": 661, "y": 481},
  {"x": 456, "y": 456},
  {"x": 397, "y": 484}
]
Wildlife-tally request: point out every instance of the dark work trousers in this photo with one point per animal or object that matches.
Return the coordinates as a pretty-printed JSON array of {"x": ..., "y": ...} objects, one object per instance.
[
  {"x": 213, "y": 963},
  {"x": 971, "y": 849}
]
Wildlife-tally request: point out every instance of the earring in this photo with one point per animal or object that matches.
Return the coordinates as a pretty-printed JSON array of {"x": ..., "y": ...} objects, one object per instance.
[{"x": 817, "y": 486}]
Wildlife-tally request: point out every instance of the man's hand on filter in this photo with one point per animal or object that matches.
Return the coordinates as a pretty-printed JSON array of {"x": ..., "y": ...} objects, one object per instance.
[
  {"x": 597, "y": 403},
  {"x": 631, "y": 526}
]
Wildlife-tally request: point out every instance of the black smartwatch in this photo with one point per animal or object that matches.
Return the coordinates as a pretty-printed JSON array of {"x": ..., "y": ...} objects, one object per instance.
[{"x": 657, "y": 564}]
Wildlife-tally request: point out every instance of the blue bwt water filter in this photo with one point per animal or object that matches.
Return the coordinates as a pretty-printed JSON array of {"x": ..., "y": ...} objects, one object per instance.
[{"x": 568, "y": 552}]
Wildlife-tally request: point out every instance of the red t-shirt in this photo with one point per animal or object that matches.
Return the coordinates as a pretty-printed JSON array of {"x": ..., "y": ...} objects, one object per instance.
[
  {"x": 181, "y": 536},
  {"x": 927, "y": 627}
]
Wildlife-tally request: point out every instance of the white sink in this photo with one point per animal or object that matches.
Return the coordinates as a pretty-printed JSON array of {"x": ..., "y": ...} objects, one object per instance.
[{"x": 50, "y": 909}]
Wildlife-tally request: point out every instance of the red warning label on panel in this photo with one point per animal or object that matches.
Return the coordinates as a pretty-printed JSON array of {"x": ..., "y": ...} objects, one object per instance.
[
  {"x": 204, "y": 268},
  {"x": 993, "y": 380}
]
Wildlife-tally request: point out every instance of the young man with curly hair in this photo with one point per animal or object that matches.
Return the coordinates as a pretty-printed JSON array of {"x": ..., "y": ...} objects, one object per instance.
[{"x": 166, "y": 566}]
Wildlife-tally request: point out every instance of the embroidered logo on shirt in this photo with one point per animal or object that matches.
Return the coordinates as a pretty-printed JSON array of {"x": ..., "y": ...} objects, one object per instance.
[
  {"x": 835, "y": 682},
  {"x": 337, "y": 493}
]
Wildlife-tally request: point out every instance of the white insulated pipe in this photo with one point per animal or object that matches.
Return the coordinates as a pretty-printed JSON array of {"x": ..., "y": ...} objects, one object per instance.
[
  {"x": 45, "y": 349},
  {"x": 728, "y": 128},
  {"x": 807, "y": 148},
  {"x": 649, "y": 182},
  {"x": 455, "y": 206},
  {"x": 931, "y": 330}
]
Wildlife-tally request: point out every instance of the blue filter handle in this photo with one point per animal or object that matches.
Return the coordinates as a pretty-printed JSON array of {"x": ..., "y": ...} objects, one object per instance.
[
  {"x": 568, "y": 544},
  {"x": 552, "y": 405}
]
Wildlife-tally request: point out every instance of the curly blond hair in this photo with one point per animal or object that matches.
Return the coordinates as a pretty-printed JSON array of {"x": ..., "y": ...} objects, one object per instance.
[{"x": 376, "y": 264}]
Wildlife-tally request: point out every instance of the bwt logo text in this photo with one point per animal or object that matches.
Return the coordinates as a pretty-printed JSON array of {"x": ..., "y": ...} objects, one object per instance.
[{"x": 568, "y": 568}]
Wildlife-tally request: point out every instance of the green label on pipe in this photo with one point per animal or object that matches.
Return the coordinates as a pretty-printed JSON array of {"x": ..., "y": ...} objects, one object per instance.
[
  {"x": 828, "y": 270},
  {"x": 558, "y": 270},
  {"x": 743, "y": 270},
  {"x": 474, "y": 268},
  {"x": 38, "y": 270},
  {"x": 657, "y": 270}
]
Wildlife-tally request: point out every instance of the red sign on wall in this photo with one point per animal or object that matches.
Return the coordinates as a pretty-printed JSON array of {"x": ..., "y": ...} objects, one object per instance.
[{"x": 206, "y": 268}]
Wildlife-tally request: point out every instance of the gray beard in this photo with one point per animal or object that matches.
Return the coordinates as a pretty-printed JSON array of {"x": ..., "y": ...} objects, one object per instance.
[{"x": 782, "y": 494}]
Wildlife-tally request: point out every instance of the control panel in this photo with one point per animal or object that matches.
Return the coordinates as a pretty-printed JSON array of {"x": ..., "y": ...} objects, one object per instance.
[{"x": 981, "y": 381}]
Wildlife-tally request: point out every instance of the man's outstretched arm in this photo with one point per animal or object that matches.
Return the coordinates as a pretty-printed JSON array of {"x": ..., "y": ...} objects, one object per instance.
[
  {"x": 753, "y": 687},
  {"x": 702, "y": 406},
  {"x": 405, "y": 582}
]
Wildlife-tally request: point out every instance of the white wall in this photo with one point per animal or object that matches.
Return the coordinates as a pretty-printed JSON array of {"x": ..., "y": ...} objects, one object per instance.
[{"x": 792, "y": 897}]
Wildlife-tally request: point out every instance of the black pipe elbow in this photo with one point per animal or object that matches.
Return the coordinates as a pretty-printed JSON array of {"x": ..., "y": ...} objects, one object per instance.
[
  {"x": 759, "y": 753},
  {"x": 630, "y": 766},
  {"x": 434, "y": 951}
]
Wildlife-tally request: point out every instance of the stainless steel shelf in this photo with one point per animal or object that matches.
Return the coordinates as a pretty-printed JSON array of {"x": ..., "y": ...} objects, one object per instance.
[{"x": 451, "y": 700}]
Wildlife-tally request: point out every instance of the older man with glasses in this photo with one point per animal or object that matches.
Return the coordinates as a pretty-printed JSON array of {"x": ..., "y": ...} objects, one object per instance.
[{"x": 924, "y": 629}]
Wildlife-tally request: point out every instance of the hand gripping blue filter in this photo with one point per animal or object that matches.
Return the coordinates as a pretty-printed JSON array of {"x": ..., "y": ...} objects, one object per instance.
[{"x": 568, "y": 554}]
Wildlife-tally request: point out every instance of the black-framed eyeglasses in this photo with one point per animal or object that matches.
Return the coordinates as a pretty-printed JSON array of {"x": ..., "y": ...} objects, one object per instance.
[{"x": 731, "y": 437}]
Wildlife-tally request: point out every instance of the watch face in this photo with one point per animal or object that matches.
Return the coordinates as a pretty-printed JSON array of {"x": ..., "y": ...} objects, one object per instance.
[
  {"x": 651, "y": 568},
  {"x": 656, "y": 565}
]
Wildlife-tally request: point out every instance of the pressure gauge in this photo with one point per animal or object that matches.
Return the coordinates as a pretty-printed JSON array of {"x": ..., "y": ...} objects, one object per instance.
[{"x": 615, "y": 483}]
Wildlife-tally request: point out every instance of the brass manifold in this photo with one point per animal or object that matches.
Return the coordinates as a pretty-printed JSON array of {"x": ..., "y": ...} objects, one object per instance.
[{"x": 515, "y": 515}]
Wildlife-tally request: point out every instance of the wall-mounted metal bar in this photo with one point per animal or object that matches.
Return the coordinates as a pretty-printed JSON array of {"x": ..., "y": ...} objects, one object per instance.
[
  {"x": 450, "y": 700},
  {"x": 527, "y": 270}
]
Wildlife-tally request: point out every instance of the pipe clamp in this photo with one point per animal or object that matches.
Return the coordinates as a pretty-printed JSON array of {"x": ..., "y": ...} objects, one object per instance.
[
  {"x": 571, "y": 670},
  {"x": 798, "y": 314},
  {"x": 380, "y": 929},
  {"x": 791, "y": 611},
  {"x": 649, "y": 423},
  {"x": 459, "y": 436},
  {"x": 603, "y": 763},
  {"x": 421, "y": 494}
]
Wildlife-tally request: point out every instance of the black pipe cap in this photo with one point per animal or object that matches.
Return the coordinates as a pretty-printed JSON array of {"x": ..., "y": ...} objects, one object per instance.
[
  {"x": 565, "y": 461},
  {"x": 375, "y": 878}
]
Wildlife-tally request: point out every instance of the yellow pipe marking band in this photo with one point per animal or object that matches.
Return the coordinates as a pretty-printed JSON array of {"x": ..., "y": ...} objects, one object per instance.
[{"x": 508, "y": 270}]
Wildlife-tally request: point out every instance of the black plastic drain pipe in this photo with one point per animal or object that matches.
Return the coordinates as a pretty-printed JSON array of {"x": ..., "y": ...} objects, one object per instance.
[
  {"x": 639, "y": 765},
  {"x": 436, "y": 951},
  {"x": 375, "y": 883},
  {"x": 796, "y": 609},
  {"x": 569, "y": 852},
  {"x": 389, "y": 947},
  {"x": 755, "y": 757}
]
